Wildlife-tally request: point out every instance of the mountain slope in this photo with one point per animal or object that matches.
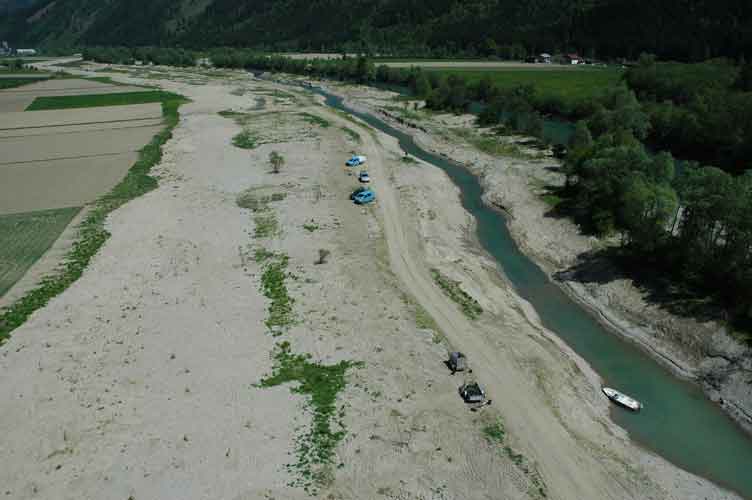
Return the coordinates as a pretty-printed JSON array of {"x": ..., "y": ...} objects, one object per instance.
[{"x": 670, "y": 28}]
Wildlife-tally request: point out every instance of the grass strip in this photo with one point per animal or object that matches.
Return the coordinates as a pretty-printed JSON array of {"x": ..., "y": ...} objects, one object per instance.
[
  {"x": 266, "y": 225},
  {"x": 469, "y": 305},
  {"x": 315, "y": 449},
  {"x": 496, "y": 434},
  {"x": 233, "y": 115},
  {"x": 352, "y": 134},
  {"x": 92, "y": 233},
  {"x": 98, "y": 100},
  {"x": 252, "y": 200},
  {"x": 274, "y": 288},
  {"x": 315, "y": 120}
]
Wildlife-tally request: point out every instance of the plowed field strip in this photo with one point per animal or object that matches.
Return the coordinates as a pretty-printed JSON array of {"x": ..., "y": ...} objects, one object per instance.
[
  {"x": 62, "y": 158},
  {"x": 77, "y": 124},
  {"x": 149, "y": 122},
  {"x": 48, "y": 91}
]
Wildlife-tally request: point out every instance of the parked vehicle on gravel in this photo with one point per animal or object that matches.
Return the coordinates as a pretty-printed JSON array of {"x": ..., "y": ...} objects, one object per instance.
[
  {"x": 472, "y": 393},
  {"x": 364, "y": 197},
  {"x": 355, "y": 161},
  {"x": 364, "y": 177},
  {"x": 357, "y": 192}
]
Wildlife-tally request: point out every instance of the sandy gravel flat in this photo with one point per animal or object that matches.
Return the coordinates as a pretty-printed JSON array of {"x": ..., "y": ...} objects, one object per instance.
[{"x": 139, "y": 380}]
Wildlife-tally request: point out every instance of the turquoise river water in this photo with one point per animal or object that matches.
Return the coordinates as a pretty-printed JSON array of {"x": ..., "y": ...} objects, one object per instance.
[{"x": 678, "y": 422}]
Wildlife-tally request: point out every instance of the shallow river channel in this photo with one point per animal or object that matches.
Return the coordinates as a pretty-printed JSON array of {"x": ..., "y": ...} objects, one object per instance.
[{"x": 678, "y": 422}]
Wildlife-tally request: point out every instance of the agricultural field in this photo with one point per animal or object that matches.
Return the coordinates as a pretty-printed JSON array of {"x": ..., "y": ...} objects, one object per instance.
[
  {"x": 99, "y": 100},
  {"x": 15, "y": 81},
  {"x": 470, "y": 64},
  {"x": 57, "y": 160},
  {"x": 569, "y": 85},
  {"x": 25, "y": 237},
  {"x": 20, "y": 98}
]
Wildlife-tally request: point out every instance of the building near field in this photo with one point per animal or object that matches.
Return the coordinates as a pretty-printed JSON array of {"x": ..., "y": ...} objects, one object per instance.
[{"x": 26, "y": 52}]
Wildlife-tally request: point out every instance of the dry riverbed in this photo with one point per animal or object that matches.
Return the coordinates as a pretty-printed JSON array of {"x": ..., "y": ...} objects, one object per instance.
[{"x": 248, "y": 335}]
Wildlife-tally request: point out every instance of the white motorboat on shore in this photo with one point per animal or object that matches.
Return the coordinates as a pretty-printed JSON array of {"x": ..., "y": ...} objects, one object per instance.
[{"x": 622, "y": 399}]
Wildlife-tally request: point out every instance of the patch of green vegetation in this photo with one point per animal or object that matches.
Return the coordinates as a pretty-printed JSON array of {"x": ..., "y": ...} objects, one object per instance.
[
  {"x": 245, "y": 140},
  {"x": 354, "y": 121},
  {"x": 495, "y": 432},
  {"x": 469, "y": 305},
  {"x": 25, "y": 237},
  {"x": 233, "y": 115},
  {"x": 321, "y": 384},
  {"x": 552, "y": 200},
  {"x": 404, "y": 112},
  {"x": 490, "y": 144},
  {"x": 315, "y": 120},
  {"x": 97, "y": 100},
  {"x": 92, "y": 232},
  {"x": 423, "y": 320},
  {"x": 408, "y": 160},
  {"x": 352, "y": 134},
  {"x": 261, "y": 255},
  {"x": 252, "y": 199},
  {"x": 266, "y": 225},
  {"x": 311, "y": 227},
  {"x": 280, "y": 312}
]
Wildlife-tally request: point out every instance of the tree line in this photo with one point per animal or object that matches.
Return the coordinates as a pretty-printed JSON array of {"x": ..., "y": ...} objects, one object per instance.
[
  {"x": 146, "y": 55},
  {"x": 693, "y": 223},
  {"x": 701, "y": 111}
]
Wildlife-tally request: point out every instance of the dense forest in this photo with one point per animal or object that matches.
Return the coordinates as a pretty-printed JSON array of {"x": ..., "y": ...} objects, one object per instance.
[{"x": 674, "y": 29}]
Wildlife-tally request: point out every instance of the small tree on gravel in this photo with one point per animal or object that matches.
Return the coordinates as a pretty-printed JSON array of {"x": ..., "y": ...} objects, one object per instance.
[
  {"x": 277, "y": 161},
  {"x": 323, "y": 256}
]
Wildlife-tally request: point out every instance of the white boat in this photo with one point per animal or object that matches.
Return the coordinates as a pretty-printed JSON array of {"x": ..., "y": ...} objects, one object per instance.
[{"x": 622, "y": 399}]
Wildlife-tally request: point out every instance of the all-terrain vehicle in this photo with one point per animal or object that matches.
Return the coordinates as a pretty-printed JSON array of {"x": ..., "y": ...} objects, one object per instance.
[{"x": 472, "y": 393}]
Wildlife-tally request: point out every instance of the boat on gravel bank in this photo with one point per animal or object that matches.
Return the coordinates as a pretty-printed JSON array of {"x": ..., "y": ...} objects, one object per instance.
[{"x": 622, "y": 399}]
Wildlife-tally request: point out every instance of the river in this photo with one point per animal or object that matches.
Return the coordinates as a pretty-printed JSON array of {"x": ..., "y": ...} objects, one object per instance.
[{"x": 678, "y": 422}]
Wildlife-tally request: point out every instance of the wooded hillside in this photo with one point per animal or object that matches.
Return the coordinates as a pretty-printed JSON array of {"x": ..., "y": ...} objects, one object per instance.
[{"x": 603, "y": 28}]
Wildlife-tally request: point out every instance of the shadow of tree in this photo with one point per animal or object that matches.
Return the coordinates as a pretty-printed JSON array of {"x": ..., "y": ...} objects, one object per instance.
[{"x": 650, "y": 278}]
